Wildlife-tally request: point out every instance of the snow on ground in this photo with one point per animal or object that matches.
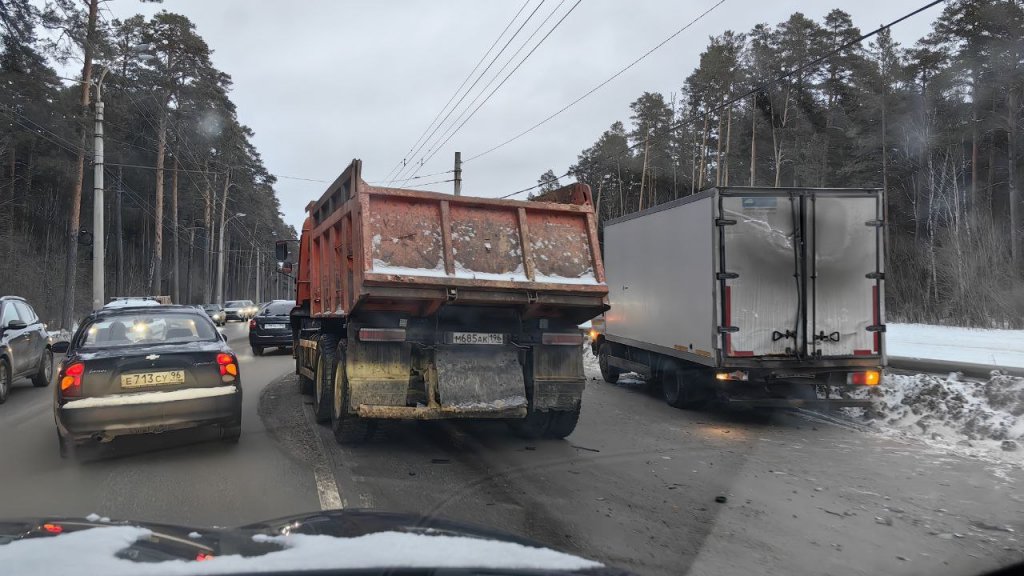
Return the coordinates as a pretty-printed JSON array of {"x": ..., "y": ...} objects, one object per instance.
[
  {"x": 981, "y": 419},
  {"x": 978, "y": 419},
  {"x": 974, "y": 345}
]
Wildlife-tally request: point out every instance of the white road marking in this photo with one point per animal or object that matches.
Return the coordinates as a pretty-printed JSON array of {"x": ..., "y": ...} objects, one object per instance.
[{"x": 326, "y": 487}]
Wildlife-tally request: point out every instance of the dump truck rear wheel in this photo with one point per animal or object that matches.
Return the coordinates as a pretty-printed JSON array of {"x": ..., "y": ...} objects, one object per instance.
[
  {"x": 608, "y": 372},
  {"x": 562, "y": 423},
  {"x": 325, "y": 364},
  {"x": 534, "y": 426},
  {"x": 348, "y": 428}
]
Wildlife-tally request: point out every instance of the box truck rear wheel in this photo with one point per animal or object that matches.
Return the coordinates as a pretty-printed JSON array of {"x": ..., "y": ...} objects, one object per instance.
[
  {"x": 325, "y": 363},
  {"x": 683, "y": 388},
  {"x": 348, "y": 428},
  {"x": 609, "y": 373}
]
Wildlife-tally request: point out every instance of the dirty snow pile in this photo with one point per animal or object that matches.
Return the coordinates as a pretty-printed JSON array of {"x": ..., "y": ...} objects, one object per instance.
[{"x": 970, "y": 417}]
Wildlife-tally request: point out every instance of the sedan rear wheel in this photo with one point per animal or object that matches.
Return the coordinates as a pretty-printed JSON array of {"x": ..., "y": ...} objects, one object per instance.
[
  {"x": 5, "y": 380},
  {"x": 257, "y": 350}
]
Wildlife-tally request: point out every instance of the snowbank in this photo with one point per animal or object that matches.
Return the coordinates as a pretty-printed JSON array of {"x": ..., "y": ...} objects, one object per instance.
[
  {"x": 973, "y": 345},
  {"x": 972, "y": 418}
]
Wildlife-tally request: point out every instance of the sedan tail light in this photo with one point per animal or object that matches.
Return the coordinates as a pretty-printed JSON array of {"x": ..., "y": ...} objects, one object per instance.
[
  {"x": 71, "y": 380},
  {"x": 228, "y": 367},
  {"x": 252, "y": 324}
]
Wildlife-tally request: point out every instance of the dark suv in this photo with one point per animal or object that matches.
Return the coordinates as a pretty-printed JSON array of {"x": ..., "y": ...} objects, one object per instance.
[
  {"x": 24, "y": 345},
  {"x": 271, "y": 327}
]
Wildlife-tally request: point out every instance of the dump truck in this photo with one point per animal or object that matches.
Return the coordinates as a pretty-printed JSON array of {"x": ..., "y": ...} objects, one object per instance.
[
  {"x": 415, "y": 305},
  {"x": 757, "y": 297}
]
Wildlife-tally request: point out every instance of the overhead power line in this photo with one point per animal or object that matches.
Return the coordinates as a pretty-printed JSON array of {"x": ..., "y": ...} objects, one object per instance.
[
  {"x": 506, "y": 78},
  {"x": 401, "y": 163},
  {"x": 470, "y": 89},
  {"x": 760, "y": 87},
  {"x": 599, "y": 86}
]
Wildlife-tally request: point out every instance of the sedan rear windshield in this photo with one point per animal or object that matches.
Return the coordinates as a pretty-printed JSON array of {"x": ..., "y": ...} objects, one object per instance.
[
  {"x": 214, "y": 307},
  {"x": 144, "y": 328},
  {"x": 278, "y": 309},
  {"x": 238, "y": 304}
]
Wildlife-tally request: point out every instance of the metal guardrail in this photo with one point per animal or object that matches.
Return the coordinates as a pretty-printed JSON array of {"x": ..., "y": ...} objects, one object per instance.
[{"x": 918, "y": 365}]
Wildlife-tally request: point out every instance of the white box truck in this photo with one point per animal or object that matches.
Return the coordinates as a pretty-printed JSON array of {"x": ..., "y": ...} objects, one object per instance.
[{"x": 756, "y": 296}]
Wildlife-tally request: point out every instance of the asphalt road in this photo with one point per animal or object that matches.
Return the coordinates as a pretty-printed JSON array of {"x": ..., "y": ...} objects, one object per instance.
[{"x": 635, "y": 486}]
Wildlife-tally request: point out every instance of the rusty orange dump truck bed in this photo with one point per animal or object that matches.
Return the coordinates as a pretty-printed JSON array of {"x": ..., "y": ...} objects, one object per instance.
[{"x": 373, "y": 248}]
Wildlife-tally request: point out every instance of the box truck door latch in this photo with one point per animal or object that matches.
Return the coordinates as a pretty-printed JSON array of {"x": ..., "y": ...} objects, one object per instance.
[
  {"x": 875, "y": 275},
  {"x": 876, "y": 328},
  {"x": 776, "y": 335},
  {"x": 727, "y": 275},
  {"x": 833, "y": 337},
  {"x": 875, "y": 223},
  {"x": 724, "y": 222},
  {"x": 727, "y": 329}
]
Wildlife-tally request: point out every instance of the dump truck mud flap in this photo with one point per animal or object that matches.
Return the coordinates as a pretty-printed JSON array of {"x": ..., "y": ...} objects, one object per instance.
[{"x": 480, "y": 378}]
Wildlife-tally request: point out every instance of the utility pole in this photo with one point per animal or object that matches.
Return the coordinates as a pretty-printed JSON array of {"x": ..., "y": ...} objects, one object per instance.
[
  {"x": 458, "y": 173},
  {"x": 98, "y": 255},
  {"x": 220, "y": 258},
  {"x": 259, "y": 280},
  {"x": 119, "y": 233}
]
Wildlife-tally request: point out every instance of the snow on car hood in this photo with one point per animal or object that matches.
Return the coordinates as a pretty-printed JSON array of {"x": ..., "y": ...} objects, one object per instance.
[{"x": 94, "y": 551}]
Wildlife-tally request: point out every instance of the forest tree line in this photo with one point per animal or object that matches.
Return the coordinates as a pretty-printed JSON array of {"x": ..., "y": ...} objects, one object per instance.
[
  {"x": 179, "y": 166},
  {"x": 936, "y": 124}
]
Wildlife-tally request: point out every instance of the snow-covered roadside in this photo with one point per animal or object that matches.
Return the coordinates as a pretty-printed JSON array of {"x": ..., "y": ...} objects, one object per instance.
[
  {"x": 1003, "y": 348},
  {"x": 978, "y": 419}
]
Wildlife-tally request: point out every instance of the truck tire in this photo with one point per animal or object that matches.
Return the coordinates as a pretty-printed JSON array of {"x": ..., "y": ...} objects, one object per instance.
[
  {"x": 41, "y": 378},
  {"x": 326, "y": 361},
  {"x": 305, "y": 384},
  {"x": 609, "y": 373},
  {"x": 682, "y": 389},
  {"x": 562, "y": 423},
  {"x": 534, "y": 426},
  {"x": 348, "y": 428}
]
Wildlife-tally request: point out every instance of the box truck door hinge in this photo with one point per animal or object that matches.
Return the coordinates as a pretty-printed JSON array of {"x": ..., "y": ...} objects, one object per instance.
[
  {"x": 875, "y": 223},
  {"x": 727, "y": 275},
  {"x": 724, "y": 222},
  {"x": 876, "y": 328},
  {"x": 727, "y": 329},
  {"x": 875, "y": 275}
]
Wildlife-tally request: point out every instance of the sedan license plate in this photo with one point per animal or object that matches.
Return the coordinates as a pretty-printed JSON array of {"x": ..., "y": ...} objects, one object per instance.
[
  {"x": 274, "y": 326},
  {"x": 477, "y": 338},
  {"x": 143, "y": 379}
]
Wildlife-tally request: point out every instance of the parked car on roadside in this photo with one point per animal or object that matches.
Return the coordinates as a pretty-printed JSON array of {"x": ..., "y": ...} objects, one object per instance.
[
  {"x": 145, "y": 370},
  {"x": 216, "y": 313},
  {"x": 240, "y": 310},
  {"x": 271, "y": 327},
  {"x": 24, "y": 345}
]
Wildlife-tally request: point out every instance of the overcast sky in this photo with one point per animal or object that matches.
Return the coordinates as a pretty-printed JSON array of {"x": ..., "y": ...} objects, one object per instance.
[{"x": 323, "y": 82}]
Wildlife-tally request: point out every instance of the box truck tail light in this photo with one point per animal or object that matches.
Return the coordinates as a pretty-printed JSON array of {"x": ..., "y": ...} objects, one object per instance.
[
  {"x": 738, "y": 375},
  {"x": 876, "y": 318},
  {"x": 868, "y": 378},
  {"x": 382, "y": 334},
  {"x": 556, "y": 339}
]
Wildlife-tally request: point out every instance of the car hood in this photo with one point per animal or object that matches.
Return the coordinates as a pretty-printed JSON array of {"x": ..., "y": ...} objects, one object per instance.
[{"x": 356, "y": 540}]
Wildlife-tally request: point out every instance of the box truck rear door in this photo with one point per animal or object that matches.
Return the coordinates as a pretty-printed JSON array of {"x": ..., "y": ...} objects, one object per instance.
[
  {"x": 761, "y": 299},
  {"x": 844, "y": 240}
]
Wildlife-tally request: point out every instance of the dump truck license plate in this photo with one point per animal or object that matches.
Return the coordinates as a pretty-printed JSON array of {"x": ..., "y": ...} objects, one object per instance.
[
  {"x": 477, "y": 338},
  {"x": 152, "y": 379}
]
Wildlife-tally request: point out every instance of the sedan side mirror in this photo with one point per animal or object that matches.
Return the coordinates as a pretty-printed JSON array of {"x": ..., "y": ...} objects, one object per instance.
[
  {"x": 60, "y": 347},
  {"x": 17, "y": 325}
]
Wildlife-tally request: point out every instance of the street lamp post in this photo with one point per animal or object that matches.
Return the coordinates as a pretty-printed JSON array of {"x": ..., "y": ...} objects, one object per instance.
[{"x": 220, "y": 259}]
